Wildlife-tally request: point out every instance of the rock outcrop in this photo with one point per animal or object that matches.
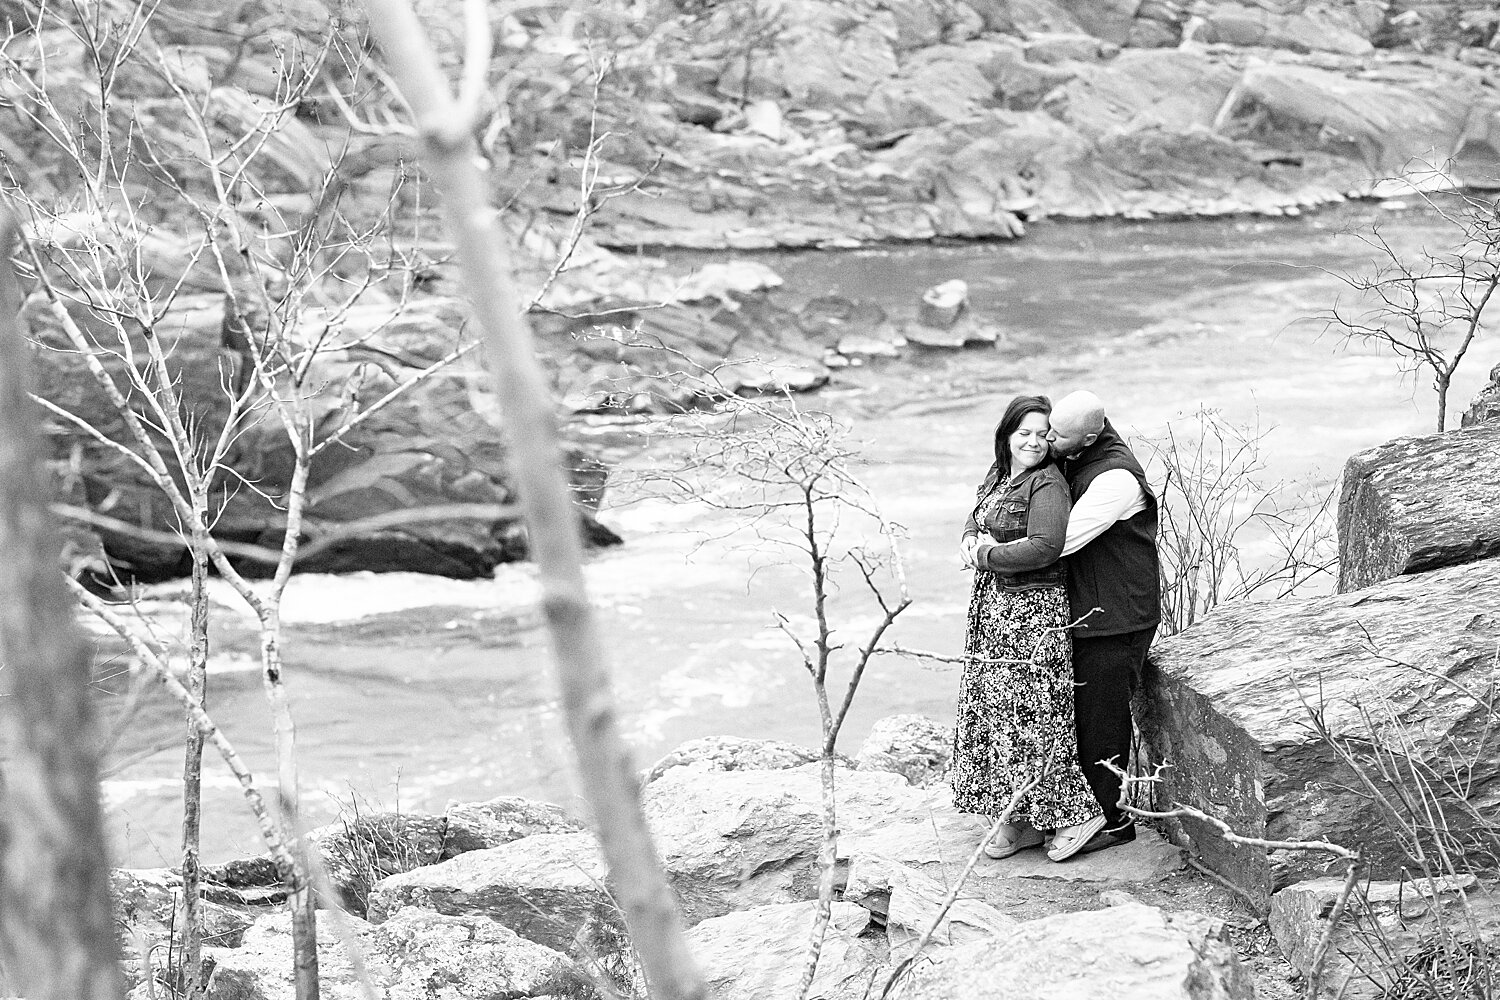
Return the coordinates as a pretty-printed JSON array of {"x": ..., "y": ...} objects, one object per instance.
[
  {"x": 148, "y": 907},
  {"x": 909, "y": 903},
  {"x": 1233, "y": 705},
  {"x": 761, "y": 952},
  {"x": 1129, "y": 952},
  {"x": 749, "y": 838},
  {"x": 438, "y": 445},
  {"x": 1395, "y": 932},
  {"x": 533, "y": 917},
  {"x": 1485, "y": 406},
  {"x": 912, "y": 746},
  {"x": 549, "y": 888},
  {"x": 997, "y": 113},
  {"x": 735, "y": 753},
  {"x": 415, "y": 955},
  {"x": 1418, "y": 503},
  {"x": 361, "y": 851}
]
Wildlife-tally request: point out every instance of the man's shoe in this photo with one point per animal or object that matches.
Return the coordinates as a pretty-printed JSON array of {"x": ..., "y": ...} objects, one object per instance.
[
  {"x": 1071, "y": 839},
  {"x": 1012, "y": 838},
  {"x": 1110, "y": 836}
]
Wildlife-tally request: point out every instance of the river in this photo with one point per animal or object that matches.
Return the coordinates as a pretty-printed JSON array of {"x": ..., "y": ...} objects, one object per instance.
[{"x": 413, "y": 691}]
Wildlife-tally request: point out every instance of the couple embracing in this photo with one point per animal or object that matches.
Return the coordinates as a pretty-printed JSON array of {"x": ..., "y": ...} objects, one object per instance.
[{"x": 1063, "y": 534}]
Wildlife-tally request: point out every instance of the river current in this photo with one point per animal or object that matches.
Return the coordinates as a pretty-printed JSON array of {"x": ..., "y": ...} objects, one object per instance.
[{"x": 411, "y": 691}]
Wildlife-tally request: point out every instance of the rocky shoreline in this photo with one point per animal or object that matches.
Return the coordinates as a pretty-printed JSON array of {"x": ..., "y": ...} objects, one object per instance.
[{"x": 510, "y": 897}]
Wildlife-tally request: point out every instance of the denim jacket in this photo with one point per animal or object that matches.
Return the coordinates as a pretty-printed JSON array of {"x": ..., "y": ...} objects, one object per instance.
[{"x": 1026, "y": 529}]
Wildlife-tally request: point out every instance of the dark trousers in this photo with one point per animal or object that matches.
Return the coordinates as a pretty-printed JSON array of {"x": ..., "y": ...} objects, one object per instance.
[{"x": 1106, "y": 669}]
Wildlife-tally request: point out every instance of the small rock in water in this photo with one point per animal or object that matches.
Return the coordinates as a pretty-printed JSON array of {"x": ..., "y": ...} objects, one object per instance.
[
  {"x": 856, "y": 345},
  {"x": 941, "y": 304},
  {"x": 968, "y": 332}
]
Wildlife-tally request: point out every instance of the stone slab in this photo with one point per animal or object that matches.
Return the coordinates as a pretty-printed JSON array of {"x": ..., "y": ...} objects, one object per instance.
[
  {"x": 1128, "y": 952},
  {"x": 1389, "y": 929},
  {"x": 1223, "y": 702},
  {"x": 1148, "y": 858},
  {"x": 549, "y": 888},
  {"x": 1420, "y": 503}
]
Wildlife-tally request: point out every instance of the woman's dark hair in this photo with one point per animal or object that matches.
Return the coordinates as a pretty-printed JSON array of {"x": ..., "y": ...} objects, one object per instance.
[{"x": 1015, "y": 412}]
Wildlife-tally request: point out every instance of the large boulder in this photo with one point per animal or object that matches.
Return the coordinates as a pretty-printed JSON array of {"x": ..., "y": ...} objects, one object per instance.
[
  {"x": 1234, "y": 705},
  {"x": 1418, "y": 503},
  {"x": 1393, "y": 933},
  {"x": 1485, "y": 406},
  {"x": 1318, "y": 28},
  {"x": 1128, "y": 952},
  {"x": 415, "y": 955},
  {"x": 549, "y": 888},
  {"x": 908, "y": 904},
  {"x": 363, "y": 849},
  {"x": 1380, "y": 120},
  {"x": 913, "y": 746},
  {"x": 149, "y": 909},
  {"x": 735, "y": 753},
  {"x": 438, "y": 445},
  {"x": 735, "y": 839},
  {"x": 761, "y": 952}
]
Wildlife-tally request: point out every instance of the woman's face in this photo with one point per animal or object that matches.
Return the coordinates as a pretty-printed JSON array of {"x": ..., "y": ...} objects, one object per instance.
[{"x": 1028, "y": 443}]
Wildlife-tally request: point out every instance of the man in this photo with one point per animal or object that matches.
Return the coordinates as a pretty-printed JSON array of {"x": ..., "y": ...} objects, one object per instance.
[{"x": 1112, "y": 567}]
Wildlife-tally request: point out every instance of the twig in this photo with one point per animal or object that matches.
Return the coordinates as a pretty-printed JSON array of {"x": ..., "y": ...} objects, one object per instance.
[{"x": 905, "y": 965}]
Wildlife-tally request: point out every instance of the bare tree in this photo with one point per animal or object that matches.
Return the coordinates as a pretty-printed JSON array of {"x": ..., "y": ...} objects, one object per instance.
[
  {"x": 1427, "y": 306},
  {"x": 108, "y": 282},
  {"x": 787, "y": 475},
  {"x": 446, "y": 128},
  {"x": 1214, "y": 501},
  {"x": 56, "y": 920}
]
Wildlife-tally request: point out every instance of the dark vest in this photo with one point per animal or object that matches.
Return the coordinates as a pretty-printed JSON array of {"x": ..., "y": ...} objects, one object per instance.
[{"x": 1118, "y": 571}]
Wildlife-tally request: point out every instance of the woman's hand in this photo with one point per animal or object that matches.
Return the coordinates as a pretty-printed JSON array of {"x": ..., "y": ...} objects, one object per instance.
[{"x": 967, "y": 549}]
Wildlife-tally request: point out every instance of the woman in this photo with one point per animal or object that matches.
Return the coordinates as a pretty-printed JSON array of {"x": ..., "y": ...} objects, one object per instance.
[{"x": 1015, "y": 706}]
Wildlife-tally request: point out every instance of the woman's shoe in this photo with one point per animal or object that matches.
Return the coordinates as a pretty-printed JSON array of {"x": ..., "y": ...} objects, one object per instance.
[
  {"x": 1071, "y": 839},
  {"x": 1011, "y": 838}
]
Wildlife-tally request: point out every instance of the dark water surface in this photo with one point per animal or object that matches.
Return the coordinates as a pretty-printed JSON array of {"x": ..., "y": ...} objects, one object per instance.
[{"x": 412, "y": 691}]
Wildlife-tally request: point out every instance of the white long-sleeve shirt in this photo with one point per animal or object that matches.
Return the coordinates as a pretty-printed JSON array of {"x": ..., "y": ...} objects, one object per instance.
[{"x": 1114, "y": 495}]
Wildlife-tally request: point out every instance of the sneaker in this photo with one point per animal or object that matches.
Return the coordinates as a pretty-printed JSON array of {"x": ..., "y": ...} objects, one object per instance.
[
  {"x": 1071, "y": 839},
  {"x": 1112, "y": 836},
  {"x": 1012, "y": 838}
]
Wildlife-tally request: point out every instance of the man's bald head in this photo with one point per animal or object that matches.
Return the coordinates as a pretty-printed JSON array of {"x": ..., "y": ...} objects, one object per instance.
[{"x": 1077, "y": 419}]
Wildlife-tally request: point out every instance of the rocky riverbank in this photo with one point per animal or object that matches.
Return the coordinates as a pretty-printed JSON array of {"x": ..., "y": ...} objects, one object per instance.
[
  {"x": 1275, "y": 717},
  {"x": 510, "y": 895}
]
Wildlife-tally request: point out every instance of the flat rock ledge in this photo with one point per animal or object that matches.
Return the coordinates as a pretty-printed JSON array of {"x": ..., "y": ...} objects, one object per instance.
[
  {"x": 1128, "y": 952},
  {"x": 1393, "y": 930},
  {"x": 1230, "y": 705},
  {"x": 1419, "y": 503}
]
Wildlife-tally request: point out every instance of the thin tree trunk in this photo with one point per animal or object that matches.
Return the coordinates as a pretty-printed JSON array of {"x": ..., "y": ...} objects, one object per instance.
[
  {"x": 190, "y": 951},
  {"x": 605, "y": 768},
  {"x": 56, "y": 921},
  {"x": 300, "y": 899}
]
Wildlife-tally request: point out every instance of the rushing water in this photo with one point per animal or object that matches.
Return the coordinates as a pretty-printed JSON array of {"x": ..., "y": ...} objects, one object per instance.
[{"x": 413, "y": 691}]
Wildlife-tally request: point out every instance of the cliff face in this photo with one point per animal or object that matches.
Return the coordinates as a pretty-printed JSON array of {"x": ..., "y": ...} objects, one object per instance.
[
  {"x": 808, "y": 122},
  {"x": 818, "y": 122}
]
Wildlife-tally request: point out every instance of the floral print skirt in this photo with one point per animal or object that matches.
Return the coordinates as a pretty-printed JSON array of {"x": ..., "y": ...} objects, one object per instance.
[{"x": 1015, "y": 719}]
